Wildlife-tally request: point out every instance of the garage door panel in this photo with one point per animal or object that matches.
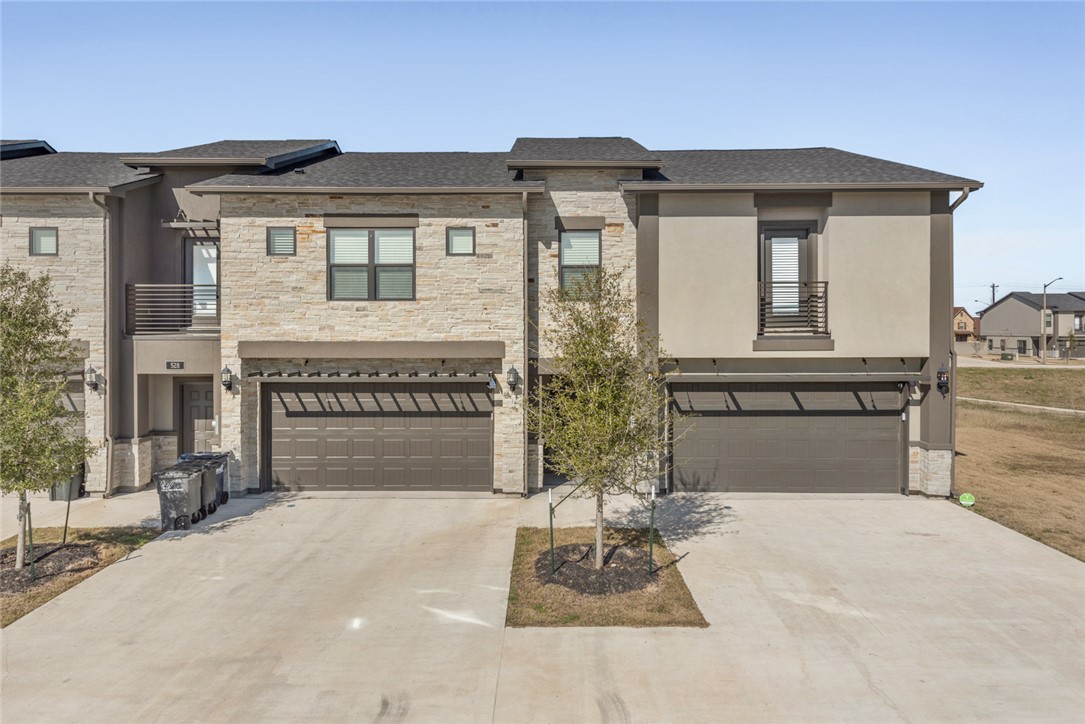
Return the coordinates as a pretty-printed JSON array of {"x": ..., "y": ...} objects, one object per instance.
[
  {"x": 380, "y": 436},
  {"x": 790, "y": 438}
]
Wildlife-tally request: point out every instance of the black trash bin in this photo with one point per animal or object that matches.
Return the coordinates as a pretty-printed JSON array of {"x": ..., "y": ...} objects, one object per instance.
[
  {"x": 71, "y": 490},
  {"x": 221, "y": 462},
  {"x": 180, "y": 490}
]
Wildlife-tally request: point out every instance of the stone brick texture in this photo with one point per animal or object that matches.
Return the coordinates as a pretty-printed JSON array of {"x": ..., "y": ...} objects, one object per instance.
[
  {"x": 458, "y": 298},
  {"x": 78, "y": 275}
]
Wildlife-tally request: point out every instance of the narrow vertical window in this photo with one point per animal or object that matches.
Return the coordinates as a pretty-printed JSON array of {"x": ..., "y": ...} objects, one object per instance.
[
  {"x": 43, "y": 241},
  {"x": 580, "y": 255}
]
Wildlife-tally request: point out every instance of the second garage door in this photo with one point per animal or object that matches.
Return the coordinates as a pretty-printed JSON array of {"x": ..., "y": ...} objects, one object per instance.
[
  {"x": 801, "y": 438},
  {"x": 358, "y": 436}
]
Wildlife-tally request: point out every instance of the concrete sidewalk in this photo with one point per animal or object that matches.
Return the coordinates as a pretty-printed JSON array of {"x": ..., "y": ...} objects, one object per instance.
[{"x": 140, "y": 508}]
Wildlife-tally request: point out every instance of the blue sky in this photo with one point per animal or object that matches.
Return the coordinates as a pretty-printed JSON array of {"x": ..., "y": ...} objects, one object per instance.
[{"x": 994, "y": 91}]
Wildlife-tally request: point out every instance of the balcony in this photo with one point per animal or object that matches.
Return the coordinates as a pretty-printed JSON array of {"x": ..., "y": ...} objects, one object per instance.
[
  {"x": 799, "y": 309},
  {"x": 172, "y": 309}
]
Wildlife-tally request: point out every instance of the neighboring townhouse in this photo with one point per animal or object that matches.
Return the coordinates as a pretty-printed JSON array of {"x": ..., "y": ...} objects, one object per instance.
[
  {"x": 370, "y": 321},
  {"x": 1017, "y": 323},
  {"x": 965, "y": 326}
]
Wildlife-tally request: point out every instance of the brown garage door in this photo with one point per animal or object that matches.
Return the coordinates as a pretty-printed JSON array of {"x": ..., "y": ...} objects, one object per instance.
[
  {"x": 379, "y": 436},
  {"x": 802, "y": 438}
]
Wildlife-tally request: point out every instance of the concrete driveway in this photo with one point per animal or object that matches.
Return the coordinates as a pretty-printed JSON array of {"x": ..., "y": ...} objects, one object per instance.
[{"x": 885, "y": 609}]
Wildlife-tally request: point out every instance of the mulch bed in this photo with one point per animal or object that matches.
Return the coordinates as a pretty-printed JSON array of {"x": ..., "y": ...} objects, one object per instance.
[
  {"x": 624, "y": 569},
  {"x": 51, "y": 562}
]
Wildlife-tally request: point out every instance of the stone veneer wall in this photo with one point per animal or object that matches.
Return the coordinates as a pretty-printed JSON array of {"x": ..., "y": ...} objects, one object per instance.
[
  {"x": 930, "y": 472},
  {"x": 576, "y": 192},
  {"x": 78, "y": 274},
  {"x": 458, "y": 298},
  {"x": 164, "y": 450}
]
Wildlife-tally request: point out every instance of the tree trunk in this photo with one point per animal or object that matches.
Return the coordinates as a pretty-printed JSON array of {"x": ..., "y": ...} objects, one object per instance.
[
  {"x": 20, "y": 547},
  {"x": 599, "y": 530}
]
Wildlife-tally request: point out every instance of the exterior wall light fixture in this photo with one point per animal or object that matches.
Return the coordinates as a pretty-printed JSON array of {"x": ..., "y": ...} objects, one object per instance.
[
  {"x": 943, "y": 380},
  {"x": 513, "y": 377},
  {"x": 91, "y": 377},
  {"x": 227, "y": 378}
]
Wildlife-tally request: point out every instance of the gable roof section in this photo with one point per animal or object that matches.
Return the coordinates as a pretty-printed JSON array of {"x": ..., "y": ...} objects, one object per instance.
[
  {"x": 788, "y": 169},
  {"x": 20, "y": 149},
  {"x": 269, "y": 154},
  {"x": 70, "y": 172},
  {"x": 1057, "y": 302},
  {"x": 581, "y": 152},
  {"x": 426, "y": 172}
]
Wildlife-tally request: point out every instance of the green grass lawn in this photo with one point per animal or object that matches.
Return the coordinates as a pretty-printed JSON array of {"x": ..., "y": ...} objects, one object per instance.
[{"x": 1051, "y": 386}]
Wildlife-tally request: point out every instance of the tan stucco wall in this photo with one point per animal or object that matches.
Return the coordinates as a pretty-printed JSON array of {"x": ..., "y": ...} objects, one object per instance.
[
  {"x": 285, "y": 298},
  {"x": 874, "y": 252}
]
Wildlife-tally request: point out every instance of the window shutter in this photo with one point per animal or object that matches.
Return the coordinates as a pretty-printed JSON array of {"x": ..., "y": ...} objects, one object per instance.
[
  {"x": 281, "y": 241},
  {"x": 348, "y": 246},
  {"x": 394, "y": 246},
  {"x": 580, "y": 248}
]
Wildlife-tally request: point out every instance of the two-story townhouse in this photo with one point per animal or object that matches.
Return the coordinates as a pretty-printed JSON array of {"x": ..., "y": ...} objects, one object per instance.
[
  {"x": 380, "y": 313},
  {"x": 135, "y": 256},
  {"x": 1018, "y": 323}
]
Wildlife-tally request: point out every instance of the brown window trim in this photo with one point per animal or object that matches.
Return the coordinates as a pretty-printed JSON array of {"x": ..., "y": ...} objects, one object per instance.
[
  {"x": 372, "y": 267},
  {"x": 30, "y": 242},
  {"x": 448, "y": 241},
  {"x": 561, "y": 256},
  {"x": 294, "y": 235}
]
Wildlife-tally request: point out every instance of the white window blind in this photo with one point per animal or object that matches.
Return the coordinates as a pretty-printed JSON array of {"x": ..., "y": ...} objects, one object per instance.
[
  {"x": 350, "y": 282},
  {"x": 395, "y": 283},
  {"x": 461, "y": 241},
  {"x": 580, "y": 248},
  {"x": 394, "y": 246},
  {"x": 348, "y": 246},
  {"x": 43, "y": 242},
  {"x": 281, "y": 241},
  {"x": 785, "y": 275}
]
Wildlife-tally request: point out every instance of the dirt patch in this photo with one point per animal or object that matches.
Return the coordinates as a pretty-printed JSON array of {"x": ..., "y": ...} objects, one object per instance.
[
  {"x": 59, "y": 567},
  {"x": 1048, "y": 386},
  {"x": 623, "y": 593},
  {"x": 1025, "y": 469}
]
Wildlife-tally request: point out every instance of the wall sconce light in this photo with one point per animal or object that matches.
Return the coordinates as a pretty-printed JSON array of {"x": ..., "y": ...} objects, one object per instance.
[
  {"x": 513, "y": 377},
  {"x": 227, "y": 377},
  {"x": 943, "y": 380},
  {"x": 91, "y": 377}
]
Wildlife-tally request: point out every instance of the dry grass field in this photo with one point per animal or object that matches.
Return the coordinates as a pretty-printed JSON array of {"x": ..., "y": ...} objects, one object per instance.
[
  {"x": 1051, "y": 386},
  {"x": 1026, "y": 469}
]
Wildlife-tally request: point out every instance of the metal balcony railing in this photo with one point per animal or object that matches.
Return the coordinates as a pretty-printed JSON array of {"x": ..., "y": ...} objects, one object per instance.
[
  {"x": 793, "y": 308},
  {"x": 172, "y": 309}
]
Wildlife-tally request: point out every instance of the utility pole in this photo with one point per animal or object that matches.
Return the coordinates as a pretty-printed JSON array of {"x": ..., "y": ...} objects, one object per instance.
[
  {"x": 993, "y": 288},
  {"x": 1043, "y": 322}
]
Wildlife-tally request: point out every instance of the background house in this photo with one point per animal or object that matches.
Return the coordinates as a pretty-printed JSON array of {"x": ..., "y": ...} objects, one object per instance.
[{"x": 1015, "y": 324}]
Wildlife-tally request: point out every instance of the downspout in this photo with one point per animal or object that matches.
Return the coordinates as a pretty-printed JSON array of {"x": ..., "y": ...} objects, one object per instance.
[
  {"x": 527, "y": 337},
  {"x": 953, "y": 378},
  {"x": 108, "y": 333}
]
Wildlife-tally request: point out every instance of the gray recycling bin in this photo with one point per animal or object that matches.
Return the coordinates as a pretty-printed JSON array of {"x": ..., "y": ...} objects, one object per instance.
[
  {"x": 180, "y": 489},
  {"x": 221, "y": 464},
  {"x": 71, "y": 490}
]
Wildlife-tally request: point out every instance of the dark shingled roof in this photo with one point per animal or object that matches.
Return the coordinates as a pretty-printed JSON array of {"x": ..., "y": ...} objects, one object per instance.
[
  {"x": 797, "y": 166},
  {"x": 1060, "y": 302},
  {"x": 68, "y": 170},
  {"x": 258, "y": 153},
  {"x": 582, "y": 150},
  {"x": 384, "y": 170},
  {"x": 24, "y": 147}
]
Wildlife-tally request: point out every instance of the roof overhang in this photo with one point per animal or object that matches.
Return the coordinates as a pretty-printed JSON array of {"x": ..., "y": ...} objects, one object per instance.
[
  {"x": 632, "y": 163},
  {"x": 270, "y": 162},
  {"x": 117, "y": 190},
  {"x": 658, "y": 186},
  {"x": 384, "y": 190},
  {"x": 26, "y": 148}
]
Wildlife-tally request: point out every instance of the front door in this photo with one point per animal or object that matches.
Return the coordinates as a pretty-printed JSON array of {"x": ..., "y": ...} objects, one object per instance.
[{"x": 197, "y": 417}]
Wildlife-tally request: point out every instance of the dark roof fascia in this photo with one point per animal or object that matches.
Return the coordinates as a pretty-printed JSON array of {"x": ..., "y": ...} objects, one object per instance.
[
  {"x": 658, "y": 186},
  {"x": 634, "y": 163},
  {"x": 271, "y": 162},
  {"x": 117, "y": 190},
  {"x": 17, "y": 148},
  {"x": 381, "y": 190}
]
